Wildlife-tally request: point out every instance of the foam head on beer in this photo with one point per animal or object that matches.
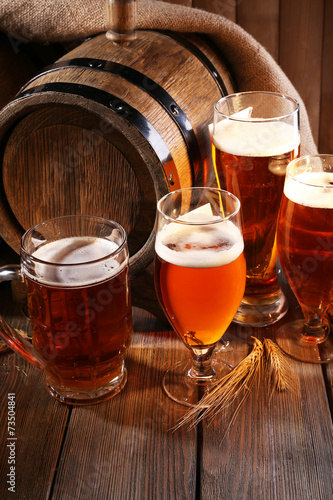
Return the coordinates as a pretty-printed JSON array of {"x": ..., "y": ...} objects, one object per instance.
[
  {"x": 199, "y": 239},
  {"x": 251, "y": 137},
  {"x": 310, "y": 189},
  {"x": 244, "y": 114},
  {"x": 79, "y": 261},
  {"x": 255, "y": 138}
]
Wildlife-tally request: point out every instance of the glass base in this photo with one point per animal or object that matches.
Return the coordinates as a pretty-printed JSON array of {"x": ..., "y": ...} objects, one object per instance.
[
  {"x": 185, "y": 390},
  {"x": 89, "y": 397},
  {"x": 261, "y": 314},
  {"x": 289, "y": 339}
]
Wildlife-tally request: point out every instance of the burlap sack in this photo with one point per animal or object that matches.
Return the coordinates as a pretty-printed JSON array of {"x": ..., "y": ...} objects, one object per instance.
[{"x": 63, "y": 20}]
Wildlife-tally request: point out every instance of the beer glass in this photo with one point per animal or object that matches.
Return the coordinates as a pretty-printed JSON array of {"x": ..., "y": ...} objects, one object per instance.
[
  {"x": 76, "y": 273},
  {"x": 255, "y": 135},
  {"x": 305, "y": 249},
  {"x": 199, "y": 280}
]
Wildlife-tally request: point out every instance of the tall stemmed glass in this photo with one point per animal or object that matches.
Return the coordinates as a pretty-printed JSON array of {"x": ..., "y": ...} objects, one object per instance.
[
  {"x": 200, "y": 277},
  {"x": 305, "y": 249}
]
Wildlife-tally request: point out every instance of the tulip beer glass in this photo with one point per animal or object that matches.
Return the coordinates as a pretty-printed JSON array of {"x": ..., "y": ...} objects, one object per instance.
[
  {"x": 199, "y": 281},
  {"x": 255, "y": 135},
  {"x": 305, "y": 249},
  {"x": 75, "y": 269}
]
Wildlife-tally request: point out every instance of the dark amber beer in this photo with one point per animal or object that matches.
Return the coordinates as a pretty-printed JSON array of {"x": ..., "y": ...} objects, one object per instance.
[
  {"x": 250, "y": 159},
  {"x": 253, "y": 180},
  {"x": 76, "y": 271},
  {"x": 305, "y": 240},
  {"x": 200, "y": 278},
  {"x": 305, "y": 249},
  {"x": 81, "y": 320}
]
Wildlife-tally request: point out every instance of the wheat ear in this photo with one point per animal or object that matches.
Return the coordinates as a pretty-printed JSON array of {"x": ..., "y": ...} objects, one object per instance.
[
  {"x": 237, "y": 383},
  {"x": 280, "y": 374}
]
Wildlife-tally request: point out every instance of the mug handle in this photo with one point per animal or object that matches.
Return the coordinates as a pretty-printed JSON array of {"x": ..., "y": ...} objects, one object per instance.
[{"x": 10, "y": 336}]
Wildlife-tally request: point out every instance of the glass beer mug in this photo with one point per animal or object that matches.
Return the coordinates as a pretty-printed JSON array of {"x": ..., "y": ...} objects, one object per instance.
[{"x": 76, "y": 273}]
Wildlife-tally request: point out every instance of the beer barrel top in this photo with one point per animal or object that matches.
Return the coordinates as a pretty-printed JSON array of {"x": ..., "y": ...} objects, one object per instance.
[{"x": 83, "y": 139}]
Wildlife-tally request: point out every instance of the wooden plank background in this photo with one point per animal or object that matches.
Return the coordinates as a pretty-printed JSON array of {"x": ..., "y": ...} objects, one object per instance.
[{"x": 299, "y": 35}]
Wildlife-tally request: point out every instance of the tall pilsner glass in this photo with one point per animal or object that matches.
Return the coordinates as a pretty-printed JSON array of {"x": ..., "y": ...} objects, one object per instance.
[
  {"x": 305, "y": 248},
  {"x": 199, "y": 280},
  {"x": 255, "y": 136}
]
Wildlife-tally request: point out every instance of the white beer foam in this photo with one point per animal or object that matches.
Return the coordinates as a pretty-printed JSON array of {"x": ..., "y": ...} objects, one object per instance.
[
  {"x": 199, "y": 245},
  {"x": 255, "y": 138},
  {"x": 308, "y": 189},
  {"x": 75, "y": 261},
  {"x": 243, "y": 114}
]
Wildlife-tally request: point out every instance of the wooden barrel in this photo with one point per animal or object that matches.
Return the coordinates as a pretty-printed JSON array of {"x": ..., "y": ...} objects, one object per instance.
[{"x": 108, "y": 130}]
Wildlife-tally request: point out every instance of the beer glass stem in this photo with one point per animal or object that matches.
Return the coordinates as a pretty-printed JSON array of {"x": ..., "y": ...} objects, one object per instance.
[
  {"x": 315, "y": 331},
  {"x": 201, "y": 371}
]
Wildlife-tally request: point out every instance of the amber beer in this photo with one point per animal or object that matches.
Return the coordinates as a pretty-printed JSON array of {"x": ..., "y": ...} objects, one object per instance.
[
  {"x": 250, "y": 159},
  {"x": 200, "y": 279},
  {"x": 80, "y": 314},
  {"x": 305, "y": 239}
]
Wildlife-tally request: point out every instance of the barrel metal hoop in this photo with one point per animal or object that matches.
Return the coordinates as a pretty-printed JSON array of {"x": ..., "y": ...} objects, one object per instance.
[
  {"x": 123, "y": 110},
  {"x": 149, "y": 86},
  {"x": 205, "y": 61}
]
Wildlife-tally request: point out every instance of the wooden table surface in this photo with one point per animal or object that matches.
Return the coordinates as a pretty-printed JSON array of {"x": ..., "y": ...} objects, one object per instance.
[{"x": 125, "y": 449}]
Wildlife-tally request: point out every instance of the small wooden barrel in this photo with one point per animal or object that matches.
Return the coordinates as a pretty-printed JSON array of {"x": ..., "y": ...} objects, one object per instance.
[{"x": 108, "y": 130}]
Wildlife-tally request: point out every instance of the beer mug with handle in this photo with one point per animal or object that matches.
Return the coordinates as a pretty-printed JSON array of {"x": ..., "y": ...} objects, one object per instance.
[
  {"x": 76, "y": 273},
  {"x": 255, "y": 136}
]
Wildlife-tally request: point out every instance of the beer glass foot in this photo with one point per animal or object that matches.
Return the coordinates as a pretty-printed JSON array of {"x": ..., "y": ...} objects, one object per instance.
[
  {"x": 263, "y": 314},
  {"x": 290, "y": 340},
  {"x": 183, "y": 389},
  {"x": 86, "y": 396}
]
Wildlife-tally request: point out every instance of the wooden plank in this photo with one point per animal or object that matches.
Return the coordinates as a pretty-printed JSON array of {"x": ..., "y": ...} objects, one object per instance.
[
  {"x": 226, "y": 8},
  {"x": 279, "y": 448},
  {"x": 328, "y": 370},
  {"x": 261, "y": 23},
  {"x": 40, "y": 421},
  {"x": 326, "y": 123},
  {"x": 301, "y": 25},
  {"x": 124, "y": 448},
  {"x": 328, "y": 373},
  {"x": 288, "y": 439}
]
